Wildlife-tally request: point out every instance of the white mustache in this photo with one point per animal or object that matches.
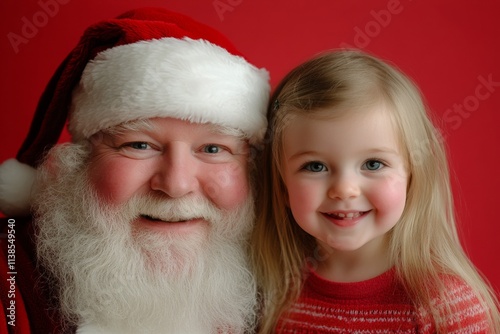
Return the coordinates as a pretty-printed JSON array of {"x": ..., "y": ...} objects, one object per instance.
[{"x": 174, "y": 209}]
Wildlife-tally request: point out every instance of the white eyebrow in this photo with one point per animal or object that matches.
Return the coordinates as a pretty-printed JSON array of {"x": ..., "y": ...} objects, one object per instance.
[{"x": 227, "y": 131}]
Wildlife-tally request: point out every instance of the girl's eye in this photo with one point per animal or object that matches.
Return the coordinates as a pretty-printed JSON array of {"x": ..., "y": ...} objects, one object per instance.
[
  {"x": 315, "y": 167},
  {"x": 212, "y": 149},
  {"x": 373, "y": 165}
]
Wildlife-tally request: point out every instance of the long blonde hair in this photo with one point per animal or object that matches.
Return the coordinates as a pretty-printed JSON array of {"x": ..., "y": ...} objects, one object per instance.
[{"x": 424, "y": 244}]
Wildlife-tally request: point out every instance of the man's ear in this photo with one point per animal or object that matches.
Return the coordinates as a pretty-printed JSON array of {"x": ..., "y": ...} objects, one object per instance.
[{"x": 97, "y": 138}]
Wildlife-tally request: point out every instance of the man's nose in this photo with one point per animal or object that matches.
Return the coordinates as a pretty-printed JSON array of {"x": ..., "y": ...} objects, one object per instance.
[
  {"x": 176, "y": 174},
  {"x": 344, "y": 186}
]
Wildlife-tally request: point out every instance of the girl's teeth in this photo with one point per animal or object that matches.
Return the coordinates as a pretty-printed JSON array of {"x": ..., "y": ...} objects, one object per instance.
[{"x": 349, "y": 215}]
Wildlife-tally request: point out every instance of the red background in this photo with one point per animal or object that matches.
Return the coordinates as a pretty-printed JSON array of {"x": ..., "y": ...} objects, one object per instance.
[{"x": 450, "y": 48}]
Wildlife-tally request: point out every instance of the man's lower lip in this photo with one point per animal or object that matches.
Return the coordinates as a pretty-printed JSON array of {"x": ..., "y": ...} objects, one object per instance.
[{"x": 168, "y": 225}]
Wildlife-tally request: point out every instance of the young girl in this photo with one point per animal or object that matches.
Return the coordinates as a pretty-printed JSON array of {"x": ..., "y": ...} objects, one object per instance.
[{"x": 357, "y": 230}]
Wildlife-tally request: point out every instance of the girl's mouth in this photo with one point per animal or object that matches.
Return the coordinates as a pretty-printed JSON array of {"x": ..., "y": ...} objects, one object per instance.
[{"x": 344, "y": 215}]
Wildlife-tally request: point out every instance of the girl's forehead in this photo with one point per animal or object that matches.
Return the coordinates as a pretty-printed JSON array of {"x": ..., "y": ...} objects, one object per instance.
[
  {"x": 371, "y": 124},
  {"x": 340, "y": 113},
  {"x": 374, "y": 121}
]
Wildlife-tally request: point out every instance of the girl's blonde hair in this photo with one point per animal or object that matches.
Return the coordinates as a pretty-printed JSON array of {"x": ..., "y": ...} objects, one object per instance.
[{"x": 424, "y": 244}]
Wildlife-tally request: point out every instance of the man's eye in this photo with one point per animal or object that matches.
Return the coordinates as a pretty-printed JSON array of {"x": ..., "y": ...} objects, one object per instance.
[
  {"x": 373, "y": 165},
  {"x": 315, "y": 167},
  {"x": 212, "y": 149},
  {"x": 138, "y": 145}
]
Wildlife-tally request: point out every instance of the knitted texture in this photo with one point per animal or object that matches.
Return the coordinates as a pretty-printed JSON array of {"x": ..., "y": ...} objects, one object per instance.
[{"x": 378, "y": 305}]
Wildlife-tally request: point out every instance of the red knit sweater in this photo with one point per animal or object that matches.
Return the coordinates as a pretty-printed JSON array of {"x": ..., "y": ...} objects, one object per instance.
[{"x": 378, "y": 305}]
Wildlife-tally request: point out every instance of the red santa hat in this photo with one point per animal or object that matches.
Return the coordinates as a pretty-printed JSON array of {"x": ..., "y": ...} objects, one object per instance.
[{"x": 146, "y": 63}]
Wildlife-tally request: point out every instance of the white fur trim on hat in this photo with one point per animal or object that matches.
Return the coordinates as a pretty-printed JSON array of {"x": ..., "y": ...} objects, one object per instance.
[
  {"x": 188, "y": 79},
  {"x": 16, "y": 181}
]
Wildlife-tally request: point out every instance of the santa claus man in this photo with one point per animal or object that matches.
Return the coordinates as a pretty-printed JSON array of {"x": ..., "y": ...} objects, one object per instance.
[{"x": 141, "y": 222}]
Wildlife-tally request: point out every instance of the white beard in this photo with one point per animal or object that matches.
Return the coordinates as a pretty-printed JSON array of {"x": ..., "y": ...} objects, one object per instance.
[{"x": 126, "y": 281}]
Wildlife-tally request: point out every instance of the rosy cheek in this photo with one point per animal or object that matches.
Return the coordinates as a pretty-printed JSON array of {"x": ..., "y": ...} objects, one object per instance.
[
  {"x": 296, "y": 198},
  {"x": 113, "y": 180},
  {"x": 390, "y": 197},
  {"x": 301, "y": 200},
  {"x": 227, "y": 187},
  {"x": 104, "y": 186}
]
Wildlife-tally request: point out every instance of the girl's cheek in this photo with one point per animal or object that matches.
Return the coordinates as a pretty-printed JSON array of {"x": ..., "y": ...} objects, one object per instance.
[{"x": 390, "y": 197}]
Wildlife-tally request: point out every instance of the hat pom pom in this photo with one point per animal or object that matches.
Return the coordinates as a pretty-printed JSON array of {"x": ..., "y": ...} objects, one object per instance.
[{"x": 16, "y": 181}]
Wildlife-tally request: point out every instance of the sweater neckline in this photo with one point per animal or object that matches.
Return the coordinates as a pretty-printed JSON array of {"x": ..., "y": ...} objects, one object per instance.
[{"x": 353, "y": 290}]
